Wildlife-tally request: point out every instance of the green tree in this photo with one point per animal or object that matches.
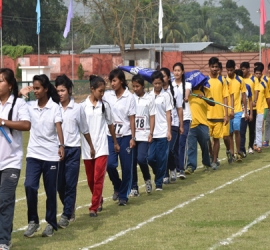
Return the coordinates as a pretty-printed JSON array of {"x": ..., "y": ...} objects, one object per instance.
[
  {"x": 80, "y": 72},
  {"x": 246, "y": 46},
  {"x": 19, "y": 23}
]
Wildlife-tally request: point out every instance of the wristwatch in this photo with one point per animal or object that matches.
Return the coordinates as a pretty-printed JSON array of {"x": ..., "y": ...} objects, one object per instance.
[
  {"x": 62, "y": 145},
  {"x": 134, "y": 138},
  {"x": 3, "y": 123}
]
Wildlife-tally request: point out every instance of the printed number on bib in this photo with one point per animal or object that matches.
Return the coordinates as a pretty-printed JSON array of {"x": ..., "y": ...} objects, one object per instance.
[
  {"x": 118, "y": 128},
  {"x": 140, "y": 122}
]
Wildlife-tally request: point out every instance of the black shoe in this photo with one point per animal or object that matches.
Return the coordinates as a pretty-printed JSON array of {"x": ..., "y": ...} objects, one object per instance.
[
  {"x": 100, "y": 206},
  {"x": 122, "y": 203},
  {"x": 93, "y": 214}
]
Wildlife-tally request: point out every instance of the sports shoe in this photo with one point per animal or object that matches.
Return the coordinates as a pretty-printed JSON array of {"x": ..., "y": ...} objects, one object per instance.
[
  {"x": 32, "y": 228},
  {"x": 206, "y": 168},
  {"x": 159, "y": 189},
  {"x": 259, "y": 150},
  {"x": 122, "y": 203},
  {"x": 48, "y": 231},
  {"x": 173, "y": 175},
  {"x": 134, "y": 193},
  {"x": 255, "y": 147},
  {"x": 242, "y": 154},
  {"x": 214, "y": 165},
  {"x": 4, "y": 247},
  {"x": 238, "y": 158},
  {"x": 229, "y": 156},
  {"x": 63, "y": 222},
  {"x": 265, "y": 144},
  {"x": 115, "y": 196},
  {"x": 250, "y": 151},
  {"x": 166, "y": 180},
  {"x": 182, "y": 175},
  {"x": 189, "y": 170},
  {"x": 100, "y": 207},
  {"x": 148, "y": 186},
  {"x": 93, "y": 214},
  {"x": 72, "y": 218}
]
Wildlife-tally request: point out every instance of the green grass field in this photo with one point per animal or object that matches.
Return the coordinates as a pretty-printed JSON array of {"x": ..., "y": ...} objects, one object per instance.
[{"x": 223, "y": 209}]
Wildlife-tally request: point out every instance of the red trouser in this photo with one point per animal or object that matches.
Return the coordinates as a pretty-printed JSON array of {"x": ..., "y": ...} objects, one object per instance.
[{"x": 95, "y": 171}]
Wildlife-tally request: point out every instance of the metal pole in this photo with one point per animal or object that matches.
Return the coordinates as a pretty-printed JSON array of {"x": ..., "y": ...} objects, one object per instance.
[
  {"x": 72, "y": 52},
  {"x": 160, "y": 56},
  {"x": 260, "y": 51},
  {"x": 38, "y": 53}
]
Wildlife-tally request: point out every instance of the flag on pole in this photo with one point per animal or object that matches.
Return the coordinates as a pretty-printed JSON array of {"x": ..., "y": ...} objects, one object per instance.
[
  {"x": 69, "y": 17},
  {"x": 38, "y": 16},
  {"x": 160, "y": 16},
  {"x": 1, "y": 8},
  {"x": 262, "y": 17}
]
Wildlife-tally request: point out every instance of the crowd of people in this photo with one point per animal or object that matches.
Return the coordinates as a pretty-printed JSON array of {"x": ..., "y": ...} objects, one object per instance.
[{"x": 160, "y": 129}]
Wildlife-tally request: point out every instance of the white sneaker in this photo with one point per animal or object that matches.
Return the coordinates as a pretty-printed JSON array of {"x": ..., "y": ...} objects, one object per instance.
[
  {"x": 173, "y": 175},
  {"x": 4, "y": 247},
  {"x": 166, "y": 180},
  {"x": 134, "y": 193},
  {"x": 148, "y": 186},
  {"x": 250, "y": 151}
]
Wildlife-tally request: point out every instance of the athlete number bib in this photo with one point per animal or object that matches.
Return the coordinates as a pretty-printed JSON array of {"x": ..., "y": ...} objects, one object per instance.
[
  {"x": 140, "y": 123},
  {"x": 118, "y": 128}
]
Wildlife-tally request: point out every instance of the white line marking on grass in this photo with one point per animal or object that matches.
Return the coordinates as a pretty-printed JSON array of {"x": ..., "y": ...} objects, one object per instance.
[
  {"x": 138, "y": 226},
  {"x": 230, "y": 239}
]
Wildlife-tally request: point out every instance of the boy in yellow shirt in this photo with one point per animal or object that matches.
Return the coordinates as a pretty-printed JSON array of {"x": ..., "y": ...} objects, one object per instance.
[
  {"x": 238, "y": 89},
  {"x": 217, "y": 115},
  {"x": 199, "y": 131},
  {"x": 262, "y": 97}
]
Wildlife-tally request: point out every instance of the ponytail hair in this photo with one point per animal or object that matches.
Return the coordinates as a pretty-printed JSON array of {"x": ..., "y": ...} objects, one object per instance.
[
  {"x": 168, "y": 74},
  {"x": 95, "y": 82},
  {"x": 46, "y": 84},
  {"x": 120, "y": 75},
  {"x": 181, "y": 65},
  {"x": 8, "y": 75}
]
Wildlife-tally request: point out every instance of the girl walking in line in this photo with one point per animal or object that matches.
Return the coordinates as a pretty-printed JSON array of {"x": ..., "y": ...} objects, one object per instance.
[
  {"x": 14, "y": 118},
  {"x": 123, "y": 107},
  {"x": 98, "y": 117},
  {"x": 144, "y": 124},
  {"x": 176, "y": 127},
  {"x": 43, "y": 154},
  {"x": 159, "y": 148},
  {"x": 185, "y": 89},
  {"x": 74, "y": 124}
]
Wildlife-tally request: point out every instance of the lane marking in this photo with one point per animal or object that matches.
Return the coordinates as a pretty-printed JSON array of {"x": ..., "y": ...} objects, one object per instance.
[
  {"x": 230, "y": 239},
  {"x": 181, "y": 205}
]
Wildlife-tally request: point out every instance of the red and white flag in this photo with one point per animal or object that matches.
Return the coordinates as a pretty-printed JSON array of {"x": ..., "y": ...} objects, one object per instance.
[{"x": 262, "y": 18}]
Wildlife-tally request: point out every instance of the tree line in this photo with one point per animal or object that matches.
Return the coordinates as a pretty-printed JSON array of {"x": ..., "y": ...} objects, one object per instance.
[{"x": 123, "y": 22}]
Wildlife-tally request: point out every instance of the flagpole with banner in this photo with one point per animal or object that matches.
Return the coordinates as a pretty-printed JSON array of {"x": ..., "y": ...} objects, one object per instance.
[
  {"x": 38, "y": 31},
  {"x": 1, "y": 27},
  {"x": 262, "y": 24},
  {"x": 160, "y": 28},
  {"x": 66, "y": 31}
]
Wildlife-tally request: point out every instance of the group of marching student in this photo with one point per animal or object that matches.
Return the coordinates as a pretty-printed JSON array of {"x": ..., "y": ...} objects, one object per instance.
[{"x": 160, "y": 128}]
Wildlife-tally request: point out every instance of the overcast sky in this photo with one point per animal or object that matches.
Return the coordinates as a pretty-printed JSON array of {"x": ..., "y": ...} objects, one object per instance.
[{"x": 251, "y": 5}]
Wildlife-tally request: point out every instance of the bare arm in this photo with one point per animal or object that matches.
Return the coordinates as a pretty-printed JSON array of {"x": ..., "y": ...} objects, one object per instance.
[
  {"x": 112, "y": 132},
  {"x": 169, "y": 124},
  {"x": 89, "y": 140},
  {"x": 61, "y": 151},
  {"x": 152, "y": 126},
  {"x": 132, "y": 127},
  {"x": 180, "y": 115},
  {"x": 17, "y": 125}
]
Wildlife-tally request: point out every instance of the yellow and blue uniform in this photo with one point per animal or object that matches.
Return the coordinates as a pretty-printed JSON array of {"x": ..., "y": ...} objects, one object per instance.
[{"x": 215, "y": 114}]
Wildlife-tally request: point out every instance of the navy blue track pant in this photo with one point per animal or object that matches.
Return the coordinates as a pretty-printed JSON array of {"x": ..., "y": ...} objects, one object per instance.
[{"x": 49, "y": 170}]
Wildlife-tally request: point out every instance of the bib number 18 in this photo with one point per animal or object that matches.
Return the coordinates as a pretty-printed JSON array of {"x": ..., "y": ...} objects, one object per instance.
[{"x": 140, "y": 122}]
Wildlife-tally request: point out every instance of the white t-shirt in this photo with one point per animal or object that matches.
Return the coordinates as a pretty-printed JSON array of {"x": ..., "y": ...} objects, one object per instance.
[
  {"x": 179, "y": 101},
  {"x": 74, "y": 123},
  {"x": 43, "y": 142},
  {"x": 145, "y": 107},
  {"x": 163, "y": 103},
  {"x": 186, "y": 110},
  {"x": 122, "y": 108},
  {"x": 97, "y": 123},
  {"x": 11, "y": 154}
]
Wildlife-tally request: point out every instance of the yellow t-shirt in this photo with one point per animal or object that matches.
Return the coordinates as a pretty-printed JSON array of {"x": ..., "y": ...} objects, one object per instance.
[
  {"x": 237, "y": 86},
  {"x": 198, "y": 107},
  {"x": 251, "y": 82},
  {"x": 262, "y": 87},
  {"x": 219, "y": 90}
]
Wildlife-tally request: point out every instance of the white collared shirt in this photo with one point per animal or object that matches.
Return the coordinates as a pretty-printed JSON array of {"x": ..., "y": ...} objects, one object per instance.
[
  {"x": 11, "y": 154},
  {"x": 122, "y": 108},
  {"x": 145, "y": 107},
  {"x": 43, "y": 142},
  {"x": 98, "y": 124},
  {"x": 179, "y": 101},
  {"x": 163, "y": 104},
  {"x": 186, "y": 110},
  {"x": 74, "y": 123}
]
